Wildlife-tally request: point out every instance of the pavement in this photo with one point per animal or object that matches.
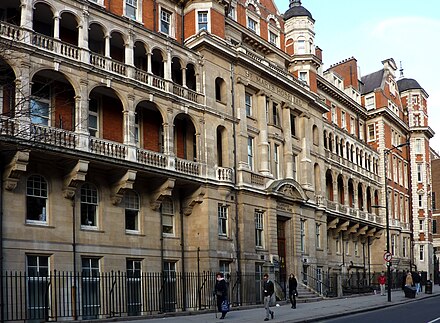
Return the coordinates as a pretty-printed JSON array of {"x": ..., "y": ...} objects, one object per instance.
[{"x": 305, "y": 312}]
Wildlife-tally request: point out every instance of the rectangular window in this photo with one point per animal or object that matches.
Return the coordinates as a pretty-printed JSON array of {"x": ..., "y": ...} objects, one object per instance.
[
  {"x": 259, "y": 228},
  {"x": 419, "y": 173},
  {"x": 134, "y": 296},
  {"x": 338, "y": 245},
  {"x": 418, "y": 148},
  {"x": 273, "y": 38},
  {"x": 303, "y": 76},
  {"x": 37, "y": 285},
  {"x": 131, "y": 8},
  {"x": 303, "y": 235},
  {"x": 352, "y": 126},
  {"x": 40, "y": 104},
  {"x": 90, "y": 287},
  {"x": 224, "y": 268},
  {"x": 275, "y": 114},
  {"x": 361, "y": 131},
  {"x": 369, "y": 103},
  {"x": 251, "y": 153},
  {"x": 333, "y": 111},
  {"x": 167, "y": 213},
  {"x": 131, "y": 205},
  {"x": 422, "y": 252},
  {"x": 202, "y": 20},
  {"x": 301, "y": 46},
  {"x": 347, "y": 248},
  {"x": 434, "y": 226},
  {"x": 318, "y": 236},
  {"x": 277, "y": 170},
  {"x": 421, "y": 225},
  {"x": 248, "y": 104},
  {"x": 420, "y": 201},
  {"x": 165, "y": 22},
  {"x": 232, "y": 12},
  {"x": 93, "y": 117},
  {"x": 293, "y": 125},
  {"x": 405, "y": 175},
  {"x": 371, "y": 132},
  {"x": 252, "y": 24},
  {"x": 343, "y": 120},
  {"x": 222, "y": 211},
  {"x": 356, "y": 248}
]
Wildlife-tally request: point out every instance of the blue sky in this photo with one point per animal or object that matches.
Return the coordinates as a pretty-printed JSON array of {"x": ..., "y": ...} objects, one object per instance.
[{"x": 371, "y": 31}]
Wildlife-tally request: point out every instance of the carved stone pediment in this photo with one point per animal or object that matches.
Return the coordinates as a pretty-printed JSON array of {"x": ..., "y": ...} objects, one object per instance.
[
  {"x": 125, "y": 183},
  {"x": 166, "y": 189},
  {"x": 15, "y": 169},
  {"x": 289, "y": 189},
  {"x": 76, "y": 175},
  {"x": 190, "y": 201}
]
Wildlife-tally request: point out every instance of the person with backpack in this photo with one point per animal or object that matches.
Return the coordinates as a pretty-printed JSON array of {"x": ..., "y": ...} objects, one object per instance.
[
  {"x": 221, "y": 292},
  {"x": 268, "y": 290}
]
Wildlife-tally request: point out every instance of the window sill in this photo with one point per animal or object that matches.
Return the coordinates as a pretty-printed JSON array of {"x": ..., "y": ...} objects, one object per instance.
[
  {"x": 42, "y": 224},
  {"x": 225, "y": 238},
  {"x": 91, "y": 229},
  {"x": 133, "y": 233}
]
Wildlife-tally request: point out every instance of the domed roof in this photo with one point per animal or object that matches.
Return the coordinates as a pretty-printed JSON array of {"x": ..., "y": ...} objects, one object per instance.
[
  {"x": 408, "y": 84},
  {"x": 297, "y": 10}
]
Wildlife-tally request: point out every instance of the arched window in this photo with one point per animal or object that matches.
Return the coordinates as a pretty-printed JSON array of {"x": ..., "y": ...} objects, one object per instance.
[
  {"x": 131, "y": 206},
  {"x": 315, "y": 135},
  {"x": 89, "y": 205},
  {"x": 36, "y": 199}
]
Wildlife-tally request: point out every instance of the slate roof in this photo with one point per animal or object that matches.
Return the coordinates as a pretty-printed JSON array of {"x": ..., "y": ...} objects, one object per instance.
[
  {"x": 408, "y": 84},
  {"x": 372, "y": 81},
  {"x": 296, "y": 10}
]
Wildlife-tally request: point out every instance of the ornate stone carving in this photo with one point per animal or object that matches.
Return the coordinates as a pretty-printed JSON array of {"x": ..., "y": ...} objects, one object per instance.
[
  {"x": 76, "y": 175},
  {"x": 191, "y": 201},
  {"x": 125, "y": 183},
  {"x": 14, "y": 169},
  {"x": 157, "y": 196}
]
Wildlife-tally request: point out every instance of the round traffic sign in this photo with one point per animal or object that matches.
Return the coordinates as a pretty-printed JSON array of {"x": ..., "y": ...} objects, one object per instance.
[{"x": 387, "y": 256}]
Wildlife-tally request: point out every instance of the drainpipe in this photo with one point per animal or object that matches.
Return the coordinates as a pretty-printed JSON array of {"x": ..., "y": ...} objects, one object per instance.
[
  {"x": 182, "y": 250},
  {"x": 74, "y": 309},
  {"x": 1, "y": 241},
  {"x": 237, "y": 231},
  {"x": 183, "y": 23},
  {"x": 155, "y": 15}
]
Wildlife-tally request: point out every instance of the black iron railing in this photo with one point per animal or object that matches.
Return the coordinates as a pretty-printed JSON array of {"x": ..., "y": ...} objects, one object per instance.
[{"x": 81, "y": 296}]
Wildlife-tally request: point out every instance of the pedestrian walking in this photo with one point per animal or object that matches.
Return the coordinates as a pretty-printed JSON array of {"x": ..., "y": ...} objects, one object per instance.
[
  {"x": 417, "y": 278},
  {"x": 221, "y": 292},
  {"x": 382, "y": 281},
  {"x": 268, "y": 290},
  {"x": 293, "y": 284},
  {"x": 409, "y": 280}
]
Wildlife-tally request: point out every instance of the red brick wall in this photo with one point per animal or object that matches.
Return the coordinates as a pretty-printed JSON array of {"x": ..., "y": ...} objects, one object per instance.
[
  {"x": 348, "y": 71},
  {"x": 148, "y": 14},
  {"x": 218, "y": 23},
  {"x": 64, "y": 107},
  {"x": 151, "y": 130},
  {"x": 190, "y": 24},
  {"x": 112, "y": 119}
]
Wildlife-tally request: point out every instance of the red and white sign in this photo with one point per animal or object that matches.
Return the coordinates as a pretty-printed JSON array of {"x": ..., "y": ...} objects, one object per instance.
[{"x": 387, "y": 256}]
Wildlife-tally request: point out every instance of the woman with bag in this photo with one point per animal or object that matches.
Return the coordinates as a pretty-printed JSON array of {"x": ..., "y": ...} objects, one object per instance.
[
  {"x": 293, "y": 284},
  {"x": 221, "y": 292}
]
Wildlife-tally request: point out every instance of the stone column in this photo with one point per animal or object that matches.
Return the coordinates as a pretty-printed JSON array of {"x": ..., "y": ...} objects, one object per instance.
[
  {"x": 305, "y": 169},
  {"x": 56, "y": 26},
  {"x": 183, "y": 76},
  {"x": 149, "y": 63},
  {"x": 288, "y": 153},
  {"x": 107, "y": 46},
  {"x": 263, "y": 144}
]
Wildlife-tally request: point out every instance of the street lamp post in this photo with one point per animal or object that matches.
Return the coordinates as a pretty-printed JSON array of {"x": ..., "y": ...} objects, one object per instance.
[{"x": 387, "y": 219}]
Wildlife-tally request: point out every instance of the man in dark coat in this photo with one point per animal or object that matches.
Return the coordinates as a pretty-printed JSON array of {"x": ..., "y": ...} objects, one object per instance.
[
  {"x": 221, "y": 292},
  {"x": 293, "y": 284},
  {"x": 268, "y": 290}
]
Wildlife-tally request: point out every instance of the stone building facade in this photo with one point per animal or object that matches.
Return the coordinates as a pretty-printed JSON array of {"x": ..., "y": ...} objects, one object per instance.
[{"x": 164, "y": 134}]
